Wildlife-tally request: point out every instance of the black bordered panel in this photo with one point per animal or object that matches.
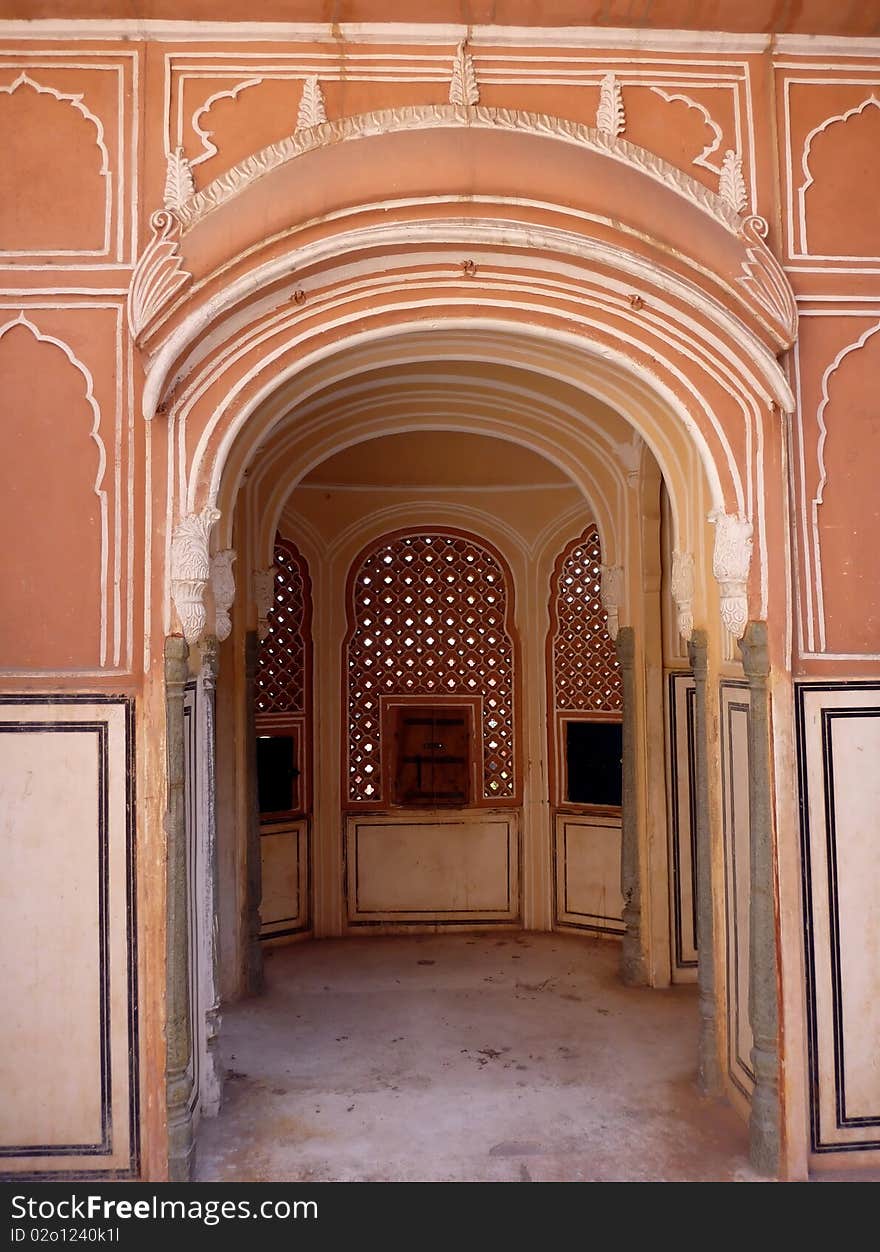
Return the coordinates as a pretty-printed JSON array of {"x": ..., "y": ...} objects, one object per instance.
[
  {"x": 684, "y": 867},
  {"x": 819, "y": 1140},
  {"x": 103, "y": 1147}
]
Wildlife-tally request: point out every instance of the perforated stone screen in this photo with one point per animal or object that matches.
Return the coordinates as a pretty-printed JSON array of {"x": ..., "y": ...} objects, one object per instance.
[
  {"x": 281, "y": 660},
  {"x": 429, "y": 619},
  {"x": 586, "y": 675}
]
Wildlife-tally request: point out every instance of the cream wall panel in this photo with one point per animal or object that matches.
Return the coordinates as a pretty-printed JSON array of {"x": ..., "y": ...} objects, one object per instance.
[
  {"x": 456, "y": 869},
  {"x": 838, "y": 751},
  {"x": 735, "y": 787},
  {"x": 284, "y": 909},
  {"x": 587, "y": 855},
  {"x": 68, "y": 1039}
]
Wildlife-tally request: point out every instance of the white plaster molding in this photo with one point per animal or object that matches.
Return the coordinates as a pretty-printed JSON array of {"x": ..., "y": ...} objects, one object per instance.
[
  {"x": 610, "y": 115},
  {"x": 95, "y": 436},
  {"x": 833, "y": 120},
  {"x": 223, "y": 587},
  {"x": 731, "y": 184},
  {"x": 630, "y": 455},
  {"x": 703, "y": 159},
  {"x": 612, "y": 594},
  {"x": 731, "y": 559},
  {"x": 464, "y": 90},
  {"x": 179, "y": 184},
  {"x": 263, "y": 582},
  {"x": 440, "y": 116},
  {"x": 159, "y": 273},
  {"x": 768, "y": 283},
  {"x": 682, "y": 588},
  {"x": 191, "y": 570},
  {"x": 312, "y": 111},
  {"x": 209, "y": 148}
]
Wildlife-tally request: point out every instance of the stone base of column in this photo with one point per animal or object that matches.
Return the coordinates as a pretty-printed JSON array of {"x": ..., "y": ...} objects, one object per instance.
[
  {"x": 709, "y": 1081},
  {"x": 765, "y": 1145},
  {"x": 181, "y": 1148},
  {"x": 632, "y": 959}
]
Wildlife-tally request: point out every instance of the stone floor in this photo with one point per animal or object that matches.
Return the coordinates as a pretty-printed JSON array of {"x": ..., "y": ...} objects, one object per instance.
[{"x": 458, "y": 1057}]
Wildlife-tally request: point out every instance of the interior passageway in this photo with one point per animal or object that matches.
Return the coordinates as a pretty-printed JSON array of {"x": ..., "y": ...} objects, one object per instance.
[{"x": 499, "y": 1056}]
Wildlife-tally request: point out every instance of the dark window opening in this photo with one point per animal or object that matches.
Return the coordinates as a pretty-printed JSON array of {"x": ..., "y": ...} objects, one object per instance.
[
  {"x": 277, "y": 774},
  {"x": 593, "y": 755}
]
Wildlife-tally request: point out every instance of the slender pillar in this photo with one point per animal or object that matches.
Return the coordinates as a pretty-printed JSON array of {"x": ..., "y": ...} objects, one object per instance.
[
  {"x": 765, "y": 1118},
  {"x": 254, "y": 952},
  {"x": 213, "y": 1081},
  {"x": 709, "y": 1069},
  {"x": 632, "y": 961},
  {"x": 178, "y": 1027}
]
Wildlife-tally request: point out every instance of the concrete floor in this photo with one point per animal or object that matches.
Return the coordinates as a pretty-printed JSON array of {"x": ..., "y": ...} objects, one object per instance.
[{"x": 492, "y": 1057}]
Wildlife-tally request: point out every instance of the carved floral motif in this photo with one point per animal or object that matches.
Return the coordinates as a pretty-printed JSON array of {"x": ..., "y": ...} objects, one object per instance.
[
  {"x": 158, "y": 275},
  {"x": 223, "y": 587},
  {"x": 730, "y": 565},
  {"x": 263, "y": 583},
  {"x": 464, "y": 90},
  {"x": 682, "y": 587},
  {"x": 191, "y": 570},
  {"x": 179, "y": 184},
  {"x": 612, "y": 592},
  {"x": 610, "y": 116},
  {"x": 311, "y": 106},
  {"x": 731, "y": 184},
  {"x": 766, "y": 280}
]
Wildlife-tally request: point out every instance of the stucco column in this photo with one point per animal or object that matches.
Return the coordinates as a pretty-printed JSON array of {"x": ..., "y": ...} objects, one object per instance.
[
  {"x": 765, "y": 1118},
  {"x": 178, "y": 1027},
  {"x": 210, "y": 664},
  {"x": 253, "y": 957},
  {"x": 632, "y": 961},
  {"x": 709, "y": 1069}
]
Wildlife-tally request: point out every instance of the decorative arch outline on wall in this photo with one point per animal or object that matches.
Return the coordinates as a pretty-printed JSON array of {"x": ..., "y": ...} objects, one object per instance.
[
  {"x": 809, "y": 180},
  {"x": 75, "y": 101},
  {"x": 467, "y": 650},
  {"x": 95, "y": 436}
]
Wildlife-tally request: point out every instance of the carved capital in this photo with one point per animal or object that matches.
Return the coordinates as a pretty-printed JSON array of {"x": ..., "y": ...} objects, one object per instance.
[
  {"x": 264, "y": 597},
  {"x": 223, "y": 587},
  {"x": 730, "y": 565},
  {"x": 682, "y": 586},
  {"x": 612, "y": 592},
  {"x": 191, "y": 570}
]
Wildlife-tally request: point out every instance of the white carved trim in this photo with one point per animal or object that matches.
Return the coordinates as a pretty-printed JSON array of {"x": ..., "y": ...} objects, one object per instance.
[
  {"x": 223, "y": 587},
  {"x": 206, "y": 136},
  {"x": 703, "y": 158},
  {"x": 191, "y": 570},
  {"x": 681, "y": 585},
  {"x": 872, "y": 100},
  {"x": 464, "y": 89},
  {"x": 610, "y": 115},
  {"x": 440, "y": 116},
  {"x": 630, "y": 456},
  {"x": 95, "y": 435},
  {"x": 731, "y": 560},
  {"x": 179, "y": 184},
  {"x": 312, "y": 111},
  {"x": 159, "y": 273},
  {"x": 263, "y": 583},
  {"x": 767, "y": 281},
  {"x": 612, "y": 592},
  {"x": 731, "y": 184}
]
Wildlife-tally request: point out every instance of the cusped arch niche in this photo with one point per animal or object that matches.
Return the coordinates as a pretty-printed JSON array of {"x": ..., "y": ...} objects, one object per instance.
[
  {"x": 55, "y": 610},
  {"x": 54, "y": 175},
  {"x": 838, "y": 203}
]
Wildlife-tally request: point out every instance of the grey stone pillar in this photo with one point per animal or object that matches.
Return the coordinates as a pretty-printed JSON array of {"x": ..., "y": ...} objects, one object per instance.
[
  {"x": 254, "y": 952},
  {"x": 178, "y": 1027},
  {"x": 765, "y": 1118},
  {"x": 632, "y": 961},
  {"x": 709, "y": 1070},
  {"x": 214, "y": 1079}
]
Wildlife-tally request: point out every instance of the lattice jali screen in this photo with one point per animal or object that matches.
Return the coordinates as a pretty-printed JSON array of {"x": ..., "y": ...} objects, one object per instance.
[
  {"x": 429, "y": 619},
  {"x": 281, "y": 660},
  {"x": 586, "y": 675}
]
